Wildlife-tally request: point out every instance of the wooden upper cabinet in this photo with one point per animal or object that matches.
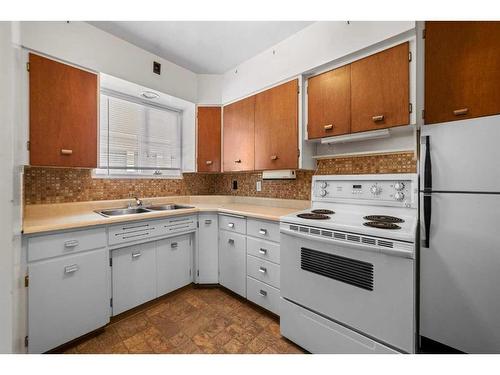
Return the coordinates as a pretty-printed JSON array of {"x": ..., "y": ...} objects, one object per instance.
[
  {"x": 276, "y": 127},
  {"x": 63, "y": 114},
  {"x": 209, "y": 146},
  {"x": 329, "y": 103},
  {"x": 380, "y": 90},
  {"x": 238, "y": 135},
  {"x": 462, "y": 70}
]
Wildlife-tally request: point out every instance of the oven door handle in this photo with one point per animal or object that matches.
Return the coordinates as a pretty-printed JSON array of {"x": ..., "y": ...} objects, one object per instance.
[{"x": 395, "y": 252}]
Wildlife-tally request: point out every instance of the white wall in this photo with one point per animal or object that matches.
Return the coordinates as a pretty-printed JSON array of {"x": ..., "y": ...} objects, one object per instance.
[
  {"x": 6, "y": 188},
  {"x": 210, "y": 89},
  {"x": 83, "y": 44}
]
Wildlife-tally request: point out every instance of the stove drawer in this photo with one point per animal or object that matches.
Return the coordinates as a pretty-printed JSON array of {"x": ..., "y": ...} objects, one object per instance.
[
  {"x": 319, "y": 335},
  {"x": 263, "y": 270},
  {"x": 263, "y": 249},
  {"x": 266, "y": 230},
  {"x": 263, "y": 295}
]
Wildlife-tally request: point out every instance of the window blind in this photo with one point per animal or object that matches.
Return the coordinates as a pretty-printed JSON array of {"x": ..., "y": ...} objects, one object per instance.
[{"x": 138, "y": 139}]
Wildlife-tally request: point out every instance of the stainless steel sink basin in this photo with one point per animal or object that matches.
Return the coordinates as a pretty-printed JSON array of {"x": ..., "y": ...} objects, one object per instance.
[
  {"x": 167, "y": 207},
  {"x": 123, "y": 211}
]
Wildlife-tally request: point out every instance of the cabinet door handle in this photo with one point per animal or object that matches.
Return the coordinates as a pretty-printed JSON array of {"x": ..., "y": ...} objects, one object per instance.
[
  {"x": 262, "y": 269},
  {"x": 461, "y": 111},
  {"x": 262, "y": 250},
  {"x": 274, "y": 157},
  {"x": 173, "y": 245},
  {"x": 378, "y": 118},
  {"x": 328, "y": 127},
  {"x": 230, "y": 225},
  {"x": 263, "y": 293},
  {"x": 238, "y": 161},
  {"x": 208, "y": 221},
  {"x": 209, "y": 162},
  {"x": 263, "y": 231},
  {"x": 66, "y": 152},
  {"x": 71, "y": 243},
  {"x": 72, "y": 268},
  {"x": 231, "y": 241},
  {"x": 136, "y": 255}
]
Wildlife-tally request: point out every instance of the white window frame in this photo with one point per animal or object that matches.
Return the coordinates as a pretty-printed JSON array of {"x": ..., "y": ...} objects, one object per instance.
[{"x": 156, "y": 173}]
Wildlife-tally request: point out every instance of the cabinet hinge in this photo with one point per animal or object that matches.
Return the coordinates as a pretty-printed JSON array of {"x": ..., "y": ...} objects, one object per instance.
[
  {"x": 111, "y": 262},
  {"x": 28, "y": 145},
  {"x": 190, "y": 272},
  {"x": 423, "y": 113},
  {"x": 410, "y": 108},
  {"x": 111, "y": 302},
  {"x": 423, "y": 34},
  {"x": 198, "y": 273},
  {"x": 28, "y": 66},
  {"x": 197, "y": 224},
  {"x": 26, "y": 341},
  {"x": 298, "y": 152},
  {"x": 26, "y": 281},
  {"x": 409, "y": 56},
  {"x": 298, "y": 89}
]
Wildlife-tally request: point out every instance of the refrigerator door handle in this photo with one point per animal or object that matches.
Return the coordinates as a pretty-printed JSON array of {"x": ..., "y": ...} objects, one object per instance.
[
  {"x": 427, "y": 218},
  {"x": 427, "y": 166}
]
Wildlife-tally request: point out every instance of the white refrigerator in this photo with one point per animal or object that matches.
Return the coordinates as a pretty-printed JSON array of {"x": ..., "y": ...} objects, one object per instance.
[{"x": 460, "y": 234}]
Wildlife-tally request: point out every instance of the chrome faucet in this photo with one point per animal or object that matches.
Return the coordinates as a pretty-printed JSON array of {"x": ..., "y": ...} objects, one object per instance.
[{"x": 138, "y": 202}]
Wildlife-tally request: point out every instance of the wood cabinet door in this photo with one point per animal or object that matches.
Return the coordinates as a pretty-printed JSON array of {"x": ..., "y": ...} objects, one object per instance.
[
  {"x": 380, "y": 90},
  {"x": 63, "y": 114},
  {"x": 462, "y": 70},
  {"x": 276, "y": 127},
  {"x": 329, "y": 103},
  {"x": 209, "y": 147},
  {"x": 238, "y": 135}
]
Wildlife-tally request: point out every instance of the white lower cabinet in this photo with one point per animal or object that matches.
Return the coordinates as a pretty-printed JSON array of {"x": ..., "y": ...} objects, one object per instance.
[
  {"x": 68, "y": 297},
  {"x": 263, "y": 295},
  {"x": 133, "y": 276},
  {"x": 173, "y": 263},
  {"x": 208, "y": 249},
  {"x": 232, "y": 261}
]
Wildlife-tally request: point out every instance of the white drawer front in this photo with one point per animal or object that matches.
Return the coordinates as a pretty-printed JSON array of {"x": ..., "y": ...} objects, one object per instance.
[
  {"x": 127, "y": 232},
  {"x": 177, "y": 225},
  {"x": 263, "y": 249},
  {"x": 263, "y": 295},
  {"x": 263, "y": 270},
  {"x": 233, "y": 224},
  {"x": 51, "y": 245},
  {"x": 267, "y": 230}
]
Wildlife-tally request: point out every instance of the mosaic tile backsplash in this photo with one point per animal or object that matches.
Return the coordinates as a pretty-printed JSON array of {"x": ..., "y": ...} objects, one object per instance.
[{"x": 59, "y": 185}]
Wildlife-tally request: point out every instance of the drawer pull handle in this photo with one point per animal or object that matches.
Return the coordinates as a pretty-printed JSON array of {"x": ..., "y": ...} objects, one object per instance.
[
  {"x": 238, "y": 161},
  {"x": 263, "y": 251},
  {"x": 173, "y": 245},
  {"x": 230, "y": 225},
  {"x": 274, "y": 157},
  {"x": 231, "y": 241},
  {"x": 208, "y": 221},
  {"x": 328, "y": 127},
  {"x": 136, "y": 255},
  {"x": 378, "y": 118},
  {"x": 263, "y": 293},
  {"x": 209, "y": 162},
  {"x": 66, "y": 152},
  {"x": 460, "y": 112},
  {"x": 262, "y": 269},
  {"x": 263, "y": 231},
  {"x": 71, "y": 243},
  {"x": 72, "y": 268}
]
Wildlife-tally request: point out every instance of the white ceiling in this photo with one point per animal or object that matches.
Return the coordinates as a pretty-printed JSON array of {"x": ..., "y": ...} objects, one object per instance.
[{"x": 211, "y": 47}]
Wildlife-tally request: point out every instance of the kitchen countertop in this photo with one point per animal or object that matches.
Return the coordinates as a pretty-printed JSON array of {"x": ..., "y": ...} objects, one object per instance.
[{"x": 51, "y": 217}]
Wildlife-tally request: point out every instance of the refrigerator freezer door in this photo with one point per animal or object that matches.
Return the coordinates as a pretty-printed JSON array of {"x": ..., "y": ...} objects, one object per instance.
[
  {"x": 460, "y": 273},
  {"x": 465, "y": 155}
]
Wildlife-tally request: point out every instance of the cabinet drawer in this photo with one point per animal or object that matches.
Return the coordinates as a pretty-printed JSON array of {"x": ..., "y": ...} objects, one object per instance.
[
  {"x": 263, "y": 249},
  {"x": 263, "y": 270},
  {"x": 48, "y": 246},
  {"x": 233, "y": 224},
  {"x": 263, "y": 295},
  {"x": 176, "y": 225},
  {"x": 263, "y": 229},
  {"x": 127, "y": 232}
]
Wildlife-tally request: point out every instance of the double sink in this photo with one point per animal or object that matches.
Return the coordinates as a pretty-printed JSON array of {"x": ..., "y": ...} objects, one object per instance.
[{"x": 140, "y": 210}]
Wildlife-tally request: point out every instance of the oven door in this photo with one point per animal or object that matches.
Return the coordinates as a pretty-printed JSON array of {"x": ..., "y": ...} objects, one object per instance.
[{"x": 367, "y": 291}]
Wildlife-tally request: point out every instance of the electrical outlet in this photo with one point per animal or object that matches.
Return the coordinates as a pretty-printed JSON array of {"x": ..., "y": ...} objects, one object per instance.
[
  {"x": 235, "y": 185},
  {"x": 258, "y": 186}
]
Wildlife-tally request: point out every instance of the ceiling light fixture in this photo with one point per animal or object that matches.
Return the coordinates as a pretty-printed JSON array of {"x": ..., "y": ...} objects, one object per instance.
[{"x": 150, "y": 95}]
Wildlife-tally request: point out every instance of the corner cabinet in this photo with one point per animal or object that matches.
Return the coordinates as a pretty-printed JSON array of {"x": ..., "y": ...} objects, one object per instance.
[
  {"x": 276, "y": 127},
  {"x": 209, "y": 139},
  {"x": 462, "y": 70},
  {"x": 63, "y": 113}
]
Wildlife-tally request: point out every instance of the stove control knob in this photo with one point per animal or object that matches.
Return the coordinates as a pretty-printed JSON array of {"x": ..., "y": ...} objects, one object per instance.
[
  {"x": 323, "y": 184},
  {"x": 399, "y": 186},
  {"x": 375, "y": 189},
  {"x": 323, "y": 193},
  {"x": 399, "y": 196}
]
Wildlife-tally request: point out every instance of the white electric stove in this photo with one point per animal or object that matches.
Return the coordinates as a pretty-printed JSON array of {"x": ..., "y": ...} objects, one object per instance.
[{"x": 348, "y": 266}]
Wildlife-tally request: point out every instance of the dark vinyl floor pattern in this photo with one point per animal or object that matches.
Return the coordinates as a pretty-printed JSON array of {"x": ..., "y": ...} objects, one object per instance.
[{"x": 192, "y": 320}]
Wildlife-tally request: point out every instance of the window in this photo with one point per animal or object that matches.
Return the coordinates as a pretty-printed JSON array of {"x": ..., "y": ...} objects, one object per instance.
[{"x": 138, "y": 139}]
